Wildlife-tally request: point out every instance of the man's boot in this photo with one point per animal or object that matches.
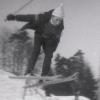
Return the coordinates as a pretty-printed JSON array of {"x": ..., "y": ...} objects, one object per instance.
[{"x": 30, "y": 72}]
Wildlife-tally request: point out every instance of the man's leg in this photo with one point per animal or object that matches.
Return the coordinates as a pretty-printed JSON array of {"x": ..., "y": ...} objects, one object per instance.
[
  {"x": 49, "y": 47},
  {"x": 46, "y": 64},
  {"x": 34, "y": 55}
]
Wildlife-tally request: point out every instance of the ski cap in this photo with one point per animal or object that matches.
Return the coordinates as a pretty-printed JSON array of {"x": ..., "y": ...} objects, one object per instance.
[{"x": 59, "y": 11}]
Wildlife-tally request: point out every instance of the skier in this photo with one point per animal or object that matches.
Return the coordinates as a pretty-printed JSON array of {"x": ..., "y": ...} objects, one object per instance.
[{"x": 48, "y": 27}]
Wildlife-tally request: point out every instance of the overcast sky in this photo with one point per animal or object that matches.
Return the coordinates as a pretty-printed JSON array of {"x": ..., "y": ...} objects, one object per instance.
[{"x": 82, "y": 24}]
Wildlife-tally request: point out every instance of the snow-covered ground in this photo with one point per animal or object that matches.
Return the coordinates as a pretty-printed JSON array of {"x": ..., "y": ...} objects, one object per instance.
[{"x": 12, "y": 89}]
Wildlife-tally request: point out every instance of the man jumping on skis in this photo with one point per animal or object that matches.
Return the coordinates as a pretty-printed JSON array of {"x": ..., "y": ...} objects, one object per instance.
[{"x": 48, "y": 27}]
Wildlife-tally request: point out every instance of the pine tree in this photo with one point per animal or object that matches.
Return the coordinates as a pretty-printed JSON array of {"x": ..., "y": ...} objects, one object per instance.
[
  {"x": 86, "y": 85},
  {"x": 87, "y": 82}
]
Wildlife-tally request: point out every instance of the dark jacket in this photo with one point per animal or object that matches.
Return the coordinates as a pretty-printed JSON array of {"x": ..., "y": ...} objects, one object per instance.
[{"x": 40, "y": 23}]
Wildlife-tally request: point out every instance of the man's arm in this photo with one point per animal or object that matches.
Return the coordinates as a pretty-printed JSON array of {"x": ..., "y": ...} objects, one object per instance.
[
  {"x": 25, "y": 18},
  {"x": 31, "y": 17},
  {"x": 37, "y": 18}
]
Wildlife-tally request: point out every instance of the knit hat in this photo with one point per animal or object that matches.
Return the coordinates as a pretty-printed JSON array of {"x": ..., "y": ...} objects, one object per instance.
[{"x": 59, "y": 11}]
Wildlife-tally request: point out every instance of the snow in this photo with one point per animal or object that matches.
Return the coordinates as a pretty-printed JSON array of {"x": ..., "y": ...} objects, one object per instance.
[{"x": 12, "y": 89}]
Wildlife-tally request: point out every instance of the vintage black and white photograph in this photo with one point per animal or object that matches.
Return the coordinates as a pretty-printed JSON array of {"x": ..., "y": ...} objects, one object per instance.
[{"x": 49, "y": 49}]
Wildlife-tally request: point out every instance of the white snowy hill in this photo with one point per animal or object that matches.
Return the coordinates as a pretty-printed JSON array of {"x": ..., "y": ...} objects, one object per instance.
[{"x": 12, "y": 89}]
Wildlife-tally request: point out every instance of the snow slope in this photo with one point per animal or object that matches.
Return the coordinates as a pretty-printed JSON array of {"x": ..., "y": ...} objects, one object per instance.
[{"x": 12, "y": 89}]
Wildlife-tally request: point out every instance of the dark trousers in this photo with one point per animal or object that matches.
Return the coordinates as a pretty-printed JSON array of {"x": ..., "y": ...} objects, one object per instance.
[{"x": 49, "y": 46}]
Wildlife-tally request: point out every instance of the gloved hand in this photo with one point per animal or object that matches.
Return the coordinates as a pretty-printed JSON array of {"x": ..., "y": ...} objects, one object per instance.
[{"x": 10, "y": 17}]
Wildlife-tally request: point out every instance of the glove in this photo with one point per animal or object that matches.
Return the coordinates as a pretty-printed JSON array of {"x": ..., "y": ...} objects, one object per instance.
[{"x": 11, "y": 17}]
